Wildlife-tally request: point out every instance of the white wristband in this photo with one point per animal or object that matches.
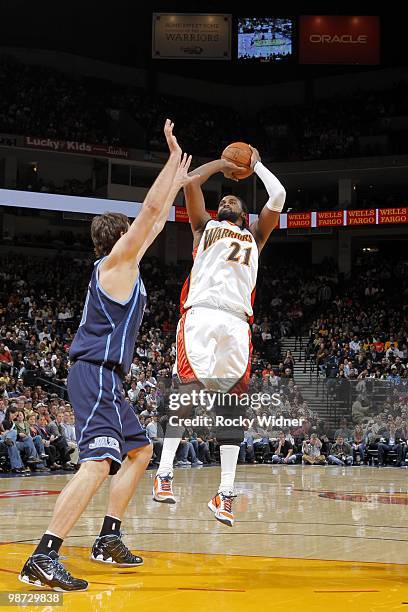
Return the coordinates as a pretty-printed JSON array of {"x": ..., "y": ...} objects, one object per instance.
[{"x": 273, "y": 186}]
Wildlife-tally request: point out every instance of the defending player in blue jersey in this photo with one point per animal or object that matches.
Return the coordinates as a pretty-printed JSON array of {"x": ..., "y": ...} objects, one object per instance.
[{"x": 109, "y": 435}]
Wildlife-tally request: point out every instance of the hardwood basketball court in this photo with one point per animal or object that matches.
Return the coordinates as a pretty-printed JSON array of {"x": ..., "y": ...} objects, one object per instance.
[{"x": 309, "y": 537}]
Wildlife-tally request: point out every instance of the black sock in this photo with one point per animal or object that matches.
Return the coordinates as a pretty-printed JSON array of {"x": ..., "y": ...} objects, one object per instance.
[
  {"x": 48, "y": 543},
  {"x": 111, "y": 525}
]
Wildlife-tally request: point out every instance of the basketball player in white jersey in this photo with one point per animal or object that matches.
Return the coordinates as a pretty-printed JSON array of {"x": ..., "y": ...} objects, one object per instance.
[{"x": 213, "y": 334}]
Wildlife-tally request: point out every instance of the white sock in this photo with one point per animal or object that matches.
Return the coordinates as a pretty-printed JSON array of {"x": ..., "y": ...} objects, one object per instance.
[
  {"x": 170, "y": 446},
  {"x": 229, "y": 457}
]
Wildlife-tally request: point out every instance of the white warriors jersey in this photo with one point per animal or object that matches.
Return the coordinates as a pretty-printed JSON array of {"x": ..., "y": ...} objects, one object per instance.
[{"x": 224, "y": 270}]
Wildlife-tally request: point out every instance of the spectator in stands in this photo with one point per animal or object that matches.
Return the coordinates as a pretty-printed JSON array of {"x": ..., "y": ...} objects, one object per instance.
[
  {"x": 246, "y": 450},
  {"x": 326, "y": 445},
  {"x": 56, "y": 432},
  {"x": 303, "y": 432},
  {"x": 3, "y": 409},
  {"x": 38, "y": 426},
  {"x": 340, "y": 452},
  {"x": 8, "y": 444},
  {"x": 155, "y": 434},
  {"x": 289, "y": 361},
  {"x": 358, "y": 445},
  {"x": 393, "y": 377},
  {"x": 133, "y": 392},
  {"x": 283, "y": 451},
  {"x": 203, "y": 446},
  {"x": 6, "y": 358},
  {"x": 311, "y": 451},
  {"x": 355, "y": 344},
  {"x": 260, "y": 436},
  {"x": 185, "y": 450},
  {"x": 392, "y": 440},
  {"x": 344, "y": 431},
  {"x": 24, "y": 444},
  {"x": 68, "y": 429},
  {"x": 358, "y": 409},
  {"x": 149, "y": 410},
  {"x": 23, "y": 432}
]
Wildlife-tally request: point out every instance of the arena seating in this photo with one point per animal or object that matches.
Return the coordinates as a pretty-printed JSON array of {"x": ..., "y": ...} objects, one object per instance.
[
  {"x": 358, "y": 338},
  {"x": 86, "y": 109}
]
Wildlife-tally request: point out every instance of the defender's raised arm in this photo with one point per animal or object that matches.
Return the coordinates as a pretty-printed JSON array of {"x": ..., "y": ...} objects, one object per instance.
[{"x": 149, "y": 222}]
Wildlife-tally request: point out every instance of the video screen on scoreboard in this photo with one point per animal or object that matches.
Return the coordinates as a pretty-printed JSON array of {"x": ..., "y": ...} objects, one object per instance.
[{"x": 265, "y": 38}]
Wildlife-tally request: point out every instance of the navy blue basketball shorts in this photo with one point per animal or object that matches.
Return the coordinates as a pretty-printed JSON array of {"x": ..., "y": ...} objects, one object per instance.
[{"x": 105, "y": 425}]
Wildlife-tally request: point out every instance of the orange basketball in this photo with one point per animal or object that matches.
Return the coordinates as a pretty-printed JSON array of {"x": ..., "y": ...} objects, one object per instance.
[{"x": 240, "y": 154}]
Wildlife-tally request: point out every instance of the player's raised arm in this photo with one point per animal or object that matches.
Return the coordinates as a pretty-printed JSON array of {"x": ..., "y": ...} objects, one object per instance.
[
  {"x": 269, "y": 217},
  {"x": 144, "y": 229},
  {"x": 195, "y": 203},
  {"x": 180, "y": 180}
]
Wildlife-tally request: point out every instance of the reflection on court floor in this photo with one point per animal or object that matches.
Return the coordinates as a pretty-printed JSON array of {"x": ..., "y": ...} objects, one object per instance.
[{"x": 325, "y": 537}]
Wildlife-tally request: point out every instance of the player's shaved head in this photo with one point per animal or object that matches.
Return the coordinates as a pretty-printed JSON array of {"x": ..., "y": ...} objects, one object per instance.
[{"x": 106, "y": 230}]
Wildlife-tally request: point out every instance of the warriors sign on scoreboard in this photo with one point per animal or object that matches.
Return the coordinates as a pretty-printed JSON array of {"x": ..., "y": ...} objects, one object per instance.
[{"x": 191, "y": 36}]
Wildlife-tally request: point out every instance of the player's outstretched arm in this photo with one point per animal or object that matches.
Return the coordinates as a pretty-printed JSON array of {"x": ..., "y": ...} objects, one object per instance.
[
  {"x": 180, "y": 180},
  {"x": 195, "y": 203},
  {"x": 269, "y": 217},
  {"x": 144, "y": 229},
  {"x": 164, "y": 180},
  {"x": 118, "y": 272}
]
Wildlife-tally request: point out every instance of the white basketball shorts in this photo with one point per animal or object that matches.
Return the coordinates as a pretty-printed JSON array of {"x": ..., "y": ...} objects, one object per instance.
[{"x": 213, "y": 344}]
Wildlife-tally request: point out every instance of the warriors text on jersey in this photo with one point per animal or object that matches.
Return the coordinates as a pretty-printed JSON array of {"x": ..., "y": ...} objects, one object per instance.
[
  {"x": 108, "y": 329},
  {"x": 224, "y": 270}
]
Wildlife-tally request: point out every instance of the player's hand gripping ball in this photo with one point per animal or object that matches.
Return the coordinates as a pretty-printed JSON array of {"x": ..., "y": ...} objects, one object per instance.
[{"x": 239, "y": 153}]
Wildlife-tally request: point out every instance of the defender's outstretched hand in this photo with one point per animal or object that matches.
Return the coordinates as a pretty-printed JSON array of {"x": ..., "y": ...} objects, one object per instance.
[
  {"x": 172, "y": 143},
  {"x": 182, "y": 178}
]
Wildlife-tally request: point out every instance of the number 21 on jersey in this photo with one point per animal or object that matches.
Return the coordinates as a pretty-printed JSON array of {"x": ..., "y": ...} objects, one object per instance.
[{"x": 238, "y": 254}]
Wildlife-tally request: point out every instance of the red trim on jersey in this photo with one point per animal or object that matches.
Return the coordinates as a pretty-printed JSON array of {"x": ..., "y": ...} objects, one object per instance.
[
  {"x": 253, "y": 294},
  {"x": 186, "y": 287},
  {"x": 184, "y": 294},
  {"x": 242, "y": 385},
  {"x": 184, "y": 370}
]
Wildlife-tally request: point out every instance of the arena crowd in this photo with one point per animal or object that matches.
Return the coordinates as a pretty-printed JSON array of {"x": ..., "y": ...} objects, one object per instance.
[
  {"x": 358, "y": 340},
  {"x": 40, "y": 101}
]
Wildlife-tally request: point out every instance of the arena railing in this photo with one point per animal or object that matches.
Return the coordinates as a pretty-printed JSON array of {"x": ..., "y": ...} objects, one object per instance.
[{"x": 61, "y": 391}]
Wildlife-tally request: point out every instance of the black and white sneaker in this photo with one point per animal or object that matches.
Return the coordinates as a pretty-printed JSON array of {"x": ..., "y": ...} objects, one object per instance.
[
  {"x": 111, "y": 549},
  {"x": 47, "y": 571}
]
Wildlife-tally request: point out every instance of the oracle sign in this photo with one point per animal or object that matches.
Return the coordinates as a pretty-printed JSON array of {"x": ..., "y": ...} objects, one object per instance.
[
  {"x": 335, "y": 39},
  {"x": 345, "y": 38}
]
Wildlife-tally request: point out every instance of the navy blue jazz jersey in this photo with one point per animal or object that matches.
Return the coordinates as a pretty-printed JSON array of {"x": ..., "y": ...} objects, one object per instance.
[
  {"x": 108, "y": 328},
  {"x": 102, "y": 351}
]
